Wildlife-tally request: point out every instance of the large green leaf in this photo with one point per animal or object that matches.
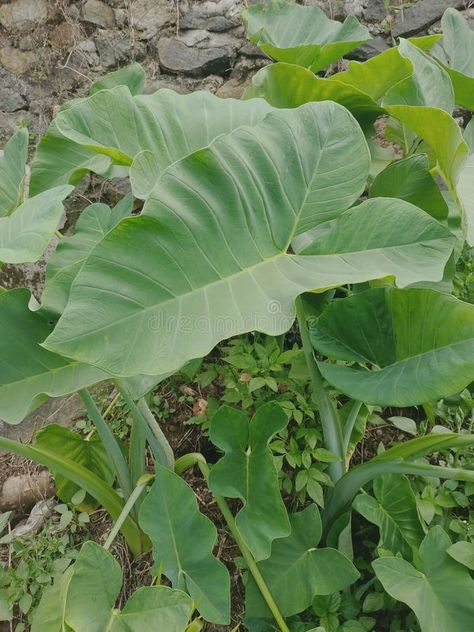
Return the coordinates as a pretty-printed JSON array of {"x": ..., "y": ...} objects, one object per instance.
[
  {"x": 247, "y": 471},
  {"x": 395, "y": 513},
  {"x": 25, "y": 235},
  {"x": 410, "y": 179},
  {"x": 302, "y": 35},
  {"x": 90, "y": 453},
  {"x": 12, "y": 171},
  {"x": 440, "y": 591},
  {"x": 420, "y": 343},
  {"x": 166, "y": 124},
  {"x": 297, "y": 571},
  {"x": 28, "y": 373},
  {"x": 456, "y": 54},
  {"x": 465, "y": 187},
  {"x": 183, "y": 540},
  {"x": 289, "y": 86},
  {"x": 93, "y": 224},
  {"x": 210, "y": 254},
  {"x": 83, "y": 599}
]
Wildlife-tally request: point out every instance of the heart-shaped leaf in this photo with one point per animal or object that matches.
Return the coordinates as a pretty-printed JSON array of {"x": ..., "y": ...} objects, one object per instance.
[
  {"x": 395, "y": 513},
  {"x": 406, "y": 335},
  {"x": 12, "y": 172},
  {"x": 25, "y": 235},
  {"x": 247, "y": 471},
  {"x": 463, "y": 552},
  {"x": 440, "y": 591},
  {"x": 212, "y": 245},
  {"x": 297, "y": 571},
  {"x": 83, "y": 599},
  {"x": 302, "y": 35},
  {"x": 29, "y": 373},
  {"x": 183, "y": 540}
]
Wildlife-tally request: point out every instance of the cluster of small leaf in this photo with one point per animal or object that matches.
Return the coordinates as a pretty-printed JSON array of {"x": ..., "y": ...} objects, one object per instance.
[{"x": 255, "y": 210}]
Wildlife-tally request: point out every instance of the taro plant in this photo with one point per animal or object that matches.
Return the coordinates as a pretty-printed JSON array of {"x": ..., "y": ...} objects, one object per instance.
[{"x": 255, "y": 214}]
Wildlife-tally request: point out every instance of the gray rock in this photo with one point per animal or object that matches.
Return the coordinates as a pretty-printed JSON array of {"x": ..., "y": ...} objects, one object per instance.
[
  {"x": 421, "y": 16},
  {"x": 232, "y": 89},
  {"x": 374, "y": 47},
  {"x": 193, "y": 20},
  {"x": 115, "y": 50},
  {"x": 220, "y": 23},
  {"x": 354, "y": 7},
  {"x": 98, "y": 13},
  {"x": 376, "y": 11},
  {"x": 176, "y": 57},
  {"x": 150, "y": 16},
  {"x": 11, "y": 100},
  {"x": 16, "y": 61},
  {"x": 24, "y": 14}
]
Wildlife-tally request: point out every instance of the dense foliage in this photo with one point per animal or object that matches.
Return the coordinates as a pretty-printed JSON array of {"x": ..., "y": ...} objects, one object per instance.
[{"x": 246, "y": 217}]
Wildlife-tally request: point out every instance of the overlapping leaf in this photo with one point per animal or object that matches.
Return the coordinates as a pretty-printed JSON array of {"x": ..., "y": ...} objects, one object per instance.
[
  {"x": 395, "y": 513},
  {"x": 440, "y": 591},
  {"x": 297, "y": 571},
  {"x": 210, "y": 253},
  {"x": 456, "y": 54},
  {"x": 410, "y": 179},
  {"x": 302, "y": 35},
  {"x": 83, "y": 600},
  {"x": 90, "y": 453},
  {"x": 132, "y": 76},
  {"x": 93, "y": 224},
  {"x": 25, "y": 235},
  {"x": 406, "y": 335},
  {"x": 12, "y": 172},
  {"x": 247, "y": 471},
  {"x": 28, "y": 373},
  {"x": 183, "y": 540},
  {"x": 113, "y": 125},
  {"x": 289, "y": 86}
]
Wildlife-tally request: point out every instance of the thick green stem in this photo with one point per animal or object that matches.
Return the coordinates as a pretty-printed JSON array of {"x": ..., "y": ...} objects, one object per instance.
[
  {"x": 128, "y": 507},
  {"x": 110, "y": 443},
  {"x": 331, "y": 425},
  {"x": 161, "y": 449},
  {"x": 246, "y": 554}
]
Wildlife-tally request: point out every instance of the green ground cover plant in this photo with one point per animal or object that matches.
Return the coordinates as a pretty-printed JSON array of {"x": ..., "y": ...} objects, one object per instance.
[{"x": 346, "y": 249}]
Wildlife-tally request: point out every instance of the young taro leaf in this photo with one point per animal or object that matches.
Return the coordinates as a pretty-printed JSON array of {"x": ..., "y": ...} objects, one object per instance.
[
  {"x": 297, "y": 571},
  {"x": 302, "y": 35},
  {"x": 408, "y": 334},
  {"x": 463, "y": 552},
  {"x": 253, "y": 191},
  {"x": 395, "y": 513},
  {"x": 440, "y": 591},
  {"x": 83, "y": 599},
  {"x": 90, "y": 453},
  {"x": 132, "y": 76},
  {"x": 456, "y": 55},
  {"x": 93, "y": 224},
  {"x": 410, "y": 179},
  {"x": 29, "y": 373},
  {"x": 247, "y": 471},
  {"x": 167, "y": 124},
  {"x": 25, "y": 235},
  {"x": 12, "y": 172},
  {"x": 183, "y": 540},
  {"x": 289, "y": 86}
]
